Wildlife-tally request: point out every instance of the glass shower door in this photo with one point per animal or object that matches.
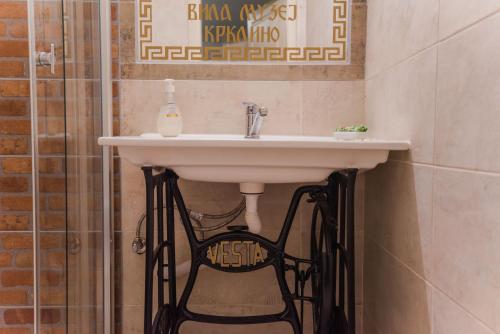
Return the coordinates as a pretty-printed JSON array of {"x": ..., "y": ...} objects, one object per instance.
[{"x": 67, "y": 117}]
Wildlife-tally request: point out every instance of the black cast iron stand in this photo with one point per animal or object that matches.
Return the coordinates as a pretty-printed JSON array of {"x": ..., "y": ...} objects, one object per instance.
[{"x": 330, "y": 268}]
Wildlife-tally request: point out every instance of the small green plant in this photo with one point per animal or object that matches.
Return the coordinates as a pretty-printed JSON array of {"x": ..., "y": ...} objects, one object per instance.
[{"x": 354, "y": 128}]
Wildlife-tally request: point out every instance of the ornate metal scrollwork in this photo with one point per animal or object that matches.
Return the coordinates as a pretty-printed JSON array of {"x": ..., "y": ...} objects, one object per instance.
[{"x": 330, "y": 268}]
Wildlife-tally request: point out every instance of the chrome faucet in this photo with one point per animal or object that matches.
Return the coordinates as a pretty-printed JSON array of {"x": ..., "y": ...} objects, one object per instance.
[{"x": 255, "y": 117}]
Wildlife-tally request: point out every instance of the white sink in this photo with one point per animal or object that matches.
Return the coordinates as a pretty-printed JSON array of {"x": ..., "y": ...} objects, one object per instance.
[{"x": 270, "y": 159}]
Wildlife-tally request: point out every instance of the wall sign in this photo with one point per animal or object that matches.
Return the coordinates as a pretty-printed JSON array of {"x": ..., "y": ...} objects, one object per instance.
[{"x": 243, "y": 31}]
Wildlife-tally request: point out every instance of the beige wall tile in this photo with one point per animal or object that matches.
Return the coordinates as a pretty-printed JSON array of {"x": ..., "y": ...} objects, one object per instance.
[
  {"x": 132, "y": 320},
  {"x": 359, "y": 319},
  {"x": 141, "y": 101},
  {"x": 133, "y": 202},
  {"x": 368, "y": 326},
  {"x": 467, "y": 251},
  {"x": 399, "y": 213},
  {"x": 242, "y": 72},
  {"x": 193, "y": 328},
  {"x": 127, "y": 31},
  {"x": 458, "y": 14},
  {"x": 397, "y": 29},
  {"x": 132, "y": 278},
  {"x": 312, "y": 108},
  {"x": 451, "y": 318},
  {"x": 439, "y": 222},
  {"x": 358, "y": 33},
  {"x": 468, "y": 98},
  {"x": 330, "y": 104},
  {"x": 396, "y": 299},
  {"x": 400, "y": 104}
]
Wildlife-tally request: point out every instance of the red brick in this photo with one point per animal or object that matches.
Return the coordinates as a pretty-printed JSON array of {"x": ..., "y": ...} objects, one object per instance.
[
  {"x": 3, "y": 29},
  {"x": 17, "y": 241},
  {"x": 51, "y": 126},
  {"x": 50, "y": 316},
  {"x": 13, "y": 108},
  {"x": 57, "y": 202},
  {"x": 49, "y": 88},
  {"x": 52, "y": 241},
  {"x": 13, "y": 146},
  {"x": 14, "y": 48},
  {"x": 13, "y": 278},
  {"x": 14, "y": 88},
  {"x": 24, "y": 260},
  {"x": 53, "y": 296},
  {"x": 114, "y": 11},
  {"x": 52, "y": 329},
  {"x": 16, "y": 203},
  {"x": 52, "y": 222},
  {"x": 50, "y": 165},
  {"x": 13, "y": 297},
  {"x": 15, "y": 330},
  {"x": 19, "y": 30},
  {"x": 11, "y": 68},
  {"x": 116, "y": 127},
  {"x": 13, "y": 184},
  {"x": 19, "y": 316},
  {"x": 50, "y": 278},
  {"x": 51, "y": 108},
  {"x": 54, "y": 260},
  {"x": 14, "y": 222},
  {"x": 51, "y": 146},
  {"x": 5, "y": 259},
  {"x": 15, "y": 127},
  {"x": 12, "y": 10},
  {"x": 17, "y": 165},
  {"x": 52, "y": 184},
  {"x": 115, "y": 32}
]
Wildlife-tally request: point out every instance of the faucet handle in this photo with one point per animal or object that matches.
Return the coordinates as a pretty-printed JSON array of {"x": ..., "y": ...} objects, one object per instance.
[
  {"x": 263, "y": 111},
  {"x": 250, "y": 106}
]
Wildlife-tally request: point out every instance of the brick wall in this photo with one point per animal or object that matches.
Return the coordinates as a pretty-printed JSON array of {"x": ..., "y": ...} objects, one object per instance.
[{"x": 16, "y": 261}]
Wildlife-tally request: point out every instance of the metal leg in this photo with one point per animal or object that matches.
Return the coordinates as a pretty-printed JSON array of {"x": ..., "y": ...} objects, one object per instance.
[
  {"x": 345, "y": 315},
  {"x": 351, "y": 179},
  {"x": 172, "y": 279},
  {"x": 332, "y": 254},
  {"x": 148, "y": 307},
  {"x": 341, "y": 241},
  {"x": 159, "y": 215}
]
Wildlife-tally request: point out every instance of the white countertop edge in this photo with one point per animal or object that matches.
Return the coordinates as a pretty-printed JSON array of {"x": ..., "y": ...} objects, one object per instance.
[{"x": 265, "y": 141}]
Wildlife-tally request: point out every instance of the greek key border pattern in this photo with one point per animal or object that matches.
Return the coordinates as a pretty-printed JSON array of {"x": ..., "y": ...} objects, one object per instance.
[{"x": 338, "y": 52}]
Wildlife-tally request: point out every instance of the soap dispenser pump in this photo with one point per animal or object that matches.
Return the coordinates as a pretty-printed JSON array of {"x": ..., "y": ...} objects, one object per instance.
[{"x": 169, "y": 122}]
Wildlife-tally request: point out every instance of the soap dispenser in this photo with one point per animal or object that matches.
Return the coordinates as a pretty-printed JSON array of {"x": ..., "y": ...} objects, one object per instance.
[{"x": 169, "y": 119}]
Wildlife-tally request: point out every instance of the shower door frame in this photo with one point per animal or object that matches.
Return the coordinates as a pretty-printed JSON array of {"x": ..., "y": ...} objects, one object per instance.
[{"x": 107, "y": 161}]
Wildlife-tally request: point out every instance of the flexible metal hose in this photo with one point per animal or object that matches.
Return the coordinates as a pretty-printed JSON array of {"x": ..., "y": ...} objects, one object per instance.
[{"x": 139, "y": 243}]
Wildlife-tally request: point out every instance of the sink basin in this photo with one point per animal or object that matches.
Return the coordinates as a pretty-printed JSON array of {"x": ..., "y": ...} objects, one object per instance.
[{"x": 269, "y": 159}]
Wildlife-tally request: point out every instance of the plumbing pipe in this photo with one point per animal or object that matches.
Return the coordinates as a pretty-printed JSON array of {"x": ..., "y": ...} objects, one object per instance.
[
  {"x": 251, "y": 213},
  {"x": 252, "y": 191}
]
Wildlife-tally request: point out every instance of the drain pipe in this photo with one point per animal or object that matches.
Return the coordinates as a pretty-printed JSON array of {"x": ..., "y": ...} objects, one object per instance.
[{"x": 252, "y": 191}]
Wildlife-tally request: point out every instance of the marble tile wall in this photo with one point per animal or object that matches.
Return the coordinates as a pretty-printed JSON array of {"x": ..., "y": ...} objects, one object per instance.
[{"x": 432, "y": 233}]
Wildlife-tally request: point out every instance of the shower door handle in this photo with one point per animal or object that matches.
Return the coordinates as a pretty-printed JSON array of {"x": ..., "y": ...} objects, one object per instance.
[{"x": 47, "y": 58}]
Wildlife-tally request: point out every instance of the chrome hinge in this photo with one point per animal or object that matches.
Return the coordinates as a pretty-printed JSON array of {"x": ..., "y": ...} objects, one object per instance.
[{"x": 47, "y": 58}]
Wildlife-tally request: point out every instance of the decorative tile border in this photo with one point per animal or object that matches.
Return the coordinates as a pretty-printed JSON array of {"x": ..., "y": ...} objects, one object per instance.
[{"x": 338, "y": 53}]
